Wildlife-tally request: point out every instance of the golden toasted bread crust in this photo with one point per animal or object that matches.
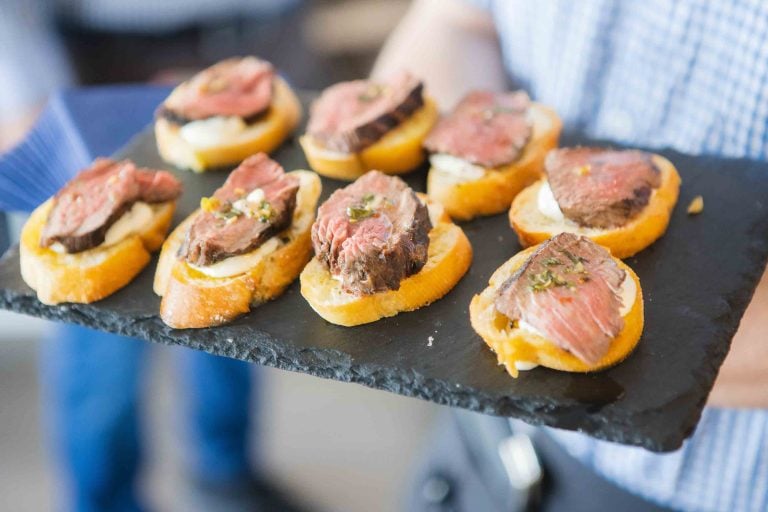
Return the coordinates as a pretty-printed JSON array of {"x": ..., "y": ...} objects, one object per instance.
[
  {"x": 448, "y": 259},
  {"x": 398, "y": 152},
  {"x": 90, "y": 275},
  {"x": 492, "y": 193},
  {"x": 532, "y": 227},
  {"x": 517, "y": 345},
  {"x": 265, "y": 135},
  {"x": 192, "y": 299}
]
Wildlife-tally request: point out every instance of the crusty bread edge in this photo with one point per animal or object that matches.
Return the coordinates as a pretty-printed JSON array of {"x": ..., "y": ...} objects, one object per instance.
[
  {"x": 90, "y": 275},
  {"x": 625, "y": 241},
  {"x": 398, "y": 152},
  {"x": 191, "y": 299},
  {"x": 494, "y": 192},
  {"x": 283, "y": 117},
  {"x": 449, "y": 258},
  {"x": 513, "y": 344}
]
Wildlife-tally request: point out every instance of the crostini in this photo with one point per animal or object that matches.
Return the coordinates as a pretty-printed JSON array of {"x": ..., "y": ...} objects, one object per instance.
[
  {"x": 243, "y": 247},
  {"x": 565, "y": 304},
  {"x": 362, "y": 125},
  {"x": 621, "y": 199},
  {"x": 96, "y": 234},
  {"x": 224, "y": 114},
  {"x": 381, "y": 249},
  {"x": 488, "y": 149}
]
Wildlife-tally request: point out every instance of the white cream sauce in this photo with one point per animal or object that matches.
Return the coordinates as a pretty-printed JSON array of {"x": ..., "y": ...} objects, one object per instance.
[
  {"x": 456, "y": 167},
  {"x": 212, "y": 132}
]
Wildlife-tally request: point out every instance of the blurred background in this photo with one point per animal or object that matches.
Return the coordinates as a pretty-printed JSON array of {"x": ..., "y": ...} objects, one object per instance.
[{"x": 330, "y": 445}]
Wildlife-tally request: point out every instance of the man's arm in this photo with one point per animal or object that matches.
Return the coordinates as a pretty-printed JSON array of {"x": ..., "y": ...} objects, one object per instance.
[{"x": 451, "y": 44}]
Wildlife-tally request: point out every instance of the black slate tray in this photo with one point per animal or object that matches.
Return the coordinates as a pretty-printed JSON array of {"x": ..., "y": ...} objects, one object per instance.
[{"x": 697, "y": 281}]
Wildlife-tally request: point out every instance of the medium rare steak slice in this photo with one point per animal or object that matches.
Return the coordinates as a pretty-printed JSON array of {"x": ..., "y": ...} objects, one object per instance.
[
  {"x": 350, "y": 116},
  {"x": 568, "y": 291},
  {"x": 485, "y": 128},
  {"x": 601, "y": 188},
  {"x": 234, "y": 87},
  {"x": 255, "y": 203},
  {"x": 90, "y": 203},
  {"x": 372, "y": 234}
]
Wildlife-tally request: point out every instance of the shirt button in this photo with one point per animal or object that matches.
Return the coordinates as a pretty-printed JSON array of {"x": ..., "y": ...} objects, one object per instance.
[
  {"x": 619, "y": 123},
  {"x": 436, "y": 490}
]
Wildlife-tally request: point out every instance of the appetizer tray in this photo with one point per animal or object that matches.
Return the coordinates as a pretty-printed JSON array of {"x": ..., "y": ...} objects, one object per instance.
[{"x": 697, "y": 282}]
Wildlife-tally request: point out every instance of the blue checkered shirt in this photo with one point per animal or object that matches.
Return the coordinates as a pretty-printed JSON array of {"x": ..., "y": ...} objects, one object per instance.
[{"x": 692, "y": 75}]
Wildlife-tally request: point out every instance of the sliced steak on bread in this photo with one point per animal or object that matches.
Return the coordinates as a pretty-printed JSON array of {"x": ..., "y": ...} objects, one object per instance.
[
  {"x": 97, "y": 233},
  {"x": 232, "y": 110},
  {"x": 239, "y": 87},
  {"x": 255, "y": 203},
  {"x": 87, "y": 206},
  {"x": 568, "y": 291},
  {"x": 372, "y": 234},
  {"x": 601, "y": 188},
  {"x": 486, "y": 128},
  {"x": 351, "y": 116}
]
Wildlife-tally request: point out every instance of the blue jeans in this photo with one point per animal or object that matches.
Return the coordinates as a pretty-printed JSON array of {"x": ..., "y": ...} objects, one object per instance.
[{"x": 91, "y": 384}]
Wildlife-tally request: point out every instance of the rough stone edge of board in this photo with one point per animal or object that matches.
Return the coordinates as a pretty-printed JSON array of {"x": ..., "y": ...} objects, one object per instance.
[{"x": 331, "y": 364}]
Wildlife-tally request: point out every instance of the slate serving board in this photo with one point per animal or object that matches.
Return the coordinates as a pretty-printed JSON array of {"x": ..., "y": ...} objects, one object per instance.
[{"x": 697, "y": 282}]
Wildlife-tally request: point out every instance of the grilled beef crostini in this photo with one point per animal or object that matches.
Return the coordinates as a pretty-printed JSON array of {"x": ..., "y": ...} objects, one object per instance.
[
  {"x": 244, "y": 246},
  {"x": 226, "y": 113},
  {"x": 566, "y": 304},
  {"x": 381, "y": 249},
  {"x": 362, "y": 125},
  {"x": 96, "y": 234},
  {"x": 621, "y": 199},
  {"x": 487, "y": 150}
]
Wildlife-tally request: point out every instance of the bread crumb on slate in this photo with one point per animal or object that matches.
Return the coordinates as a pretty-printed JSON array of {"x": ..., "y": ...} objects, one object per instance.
[
  {"x": 696, "y": 206},
  {"x": 430, "y": 340}
]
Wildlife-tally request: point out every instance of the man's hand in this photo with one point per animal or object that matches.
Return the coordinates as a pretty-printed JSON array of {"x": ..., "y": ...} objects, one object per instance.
[
  {"x": 14, "y": 130},
  {"x": 743, "y": 378},
  {"x": 451, "y": 44}
]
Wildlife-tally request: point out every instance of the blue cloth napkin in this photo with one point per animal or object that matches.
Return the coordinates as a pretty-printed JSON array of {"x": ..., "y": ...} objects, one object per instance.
[{"x": 76, "y": 126}]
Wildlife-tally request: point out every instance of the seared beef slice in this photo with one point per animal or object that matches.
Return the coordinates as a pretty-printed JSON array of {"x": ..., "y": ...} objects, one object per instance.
[
  {"x": 601, "y": 188},
  {"x": 372, "y": 234},
  {"x": 350, "y": 116},
  {"x": 231, "y": 223},
  {"x": 90, "y": 203},
  {"x": 568, "y": 291},
  {"x": 485, "y": 128}
]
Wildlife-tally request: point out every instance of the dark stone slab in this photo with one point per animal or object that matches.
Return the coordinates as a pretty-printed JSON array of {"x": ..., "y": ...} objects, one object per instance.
[{"x": 698, "y": 280}]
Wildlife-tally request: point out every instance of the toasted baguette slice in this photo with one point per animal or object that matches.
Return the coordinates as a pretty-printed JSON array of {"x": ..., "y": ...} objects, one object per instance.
[
  {"x": 265, "y": 135},
  {"x": 513, "y": 345},
  {"x": 467, "y": 197},
  {"x": 533, "y": 227},
  {"x": 448, "y": 259},
  {"x": 193, "y": 299},
  {"x": 91, "y": 275},
  {"x": 398, "y": 152}
]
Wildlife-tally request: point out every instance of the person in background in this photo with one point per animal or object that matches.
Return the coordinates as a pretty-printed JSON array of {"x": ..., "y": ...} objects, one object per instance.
[
  {"x": 91, "y": 381},
  {"x": 688, "y": 75}
]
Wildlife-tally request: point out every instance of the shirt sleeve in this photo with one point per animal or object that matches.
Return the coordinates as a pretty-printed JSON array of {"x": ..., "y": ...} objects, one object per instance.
[
  {"x": 32, "y": 61},
  {"x": 481, "y": 4}
]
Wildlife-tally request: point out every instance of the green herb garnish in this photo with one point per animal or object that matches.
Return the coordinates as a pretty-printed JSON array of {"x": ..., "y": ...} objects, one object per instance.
[
  {"x": 574, "y": 258},
  {"x": 372, "y": 92},
  {"x": 545, "y": 280},
  {"x": 363, "y": 209},
  {"x": 551, "y": 262},
  {"x": 357, "y": 213},
  {"x": 265, "y": 211}
]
